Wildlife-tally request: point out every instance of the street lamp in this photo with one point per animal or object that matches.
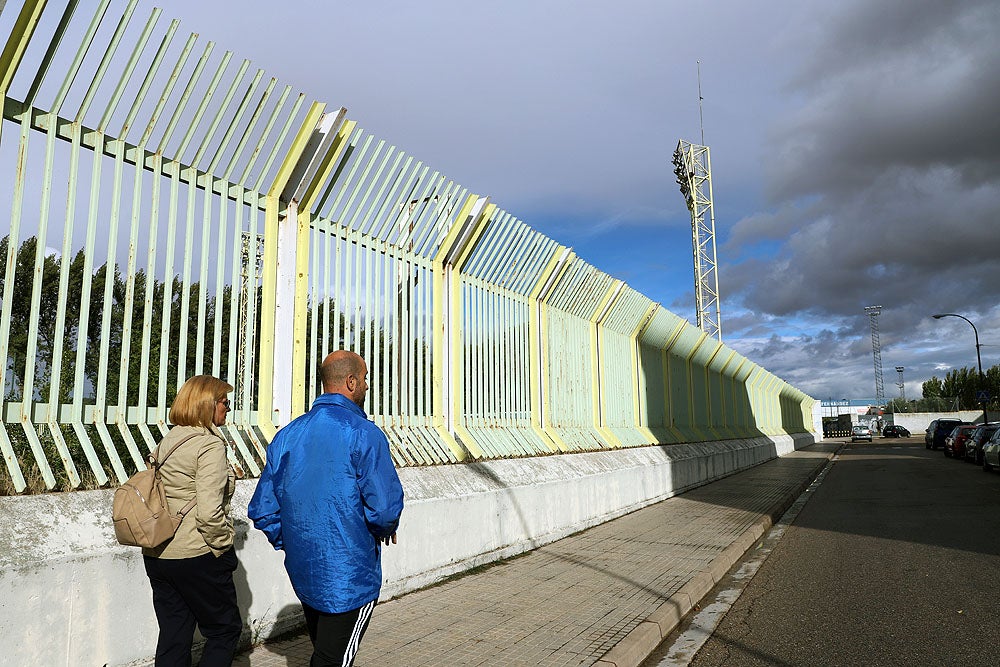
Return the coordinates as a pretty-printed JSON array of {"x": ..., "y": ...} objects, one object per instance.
[{"x": 979, "y": 358}]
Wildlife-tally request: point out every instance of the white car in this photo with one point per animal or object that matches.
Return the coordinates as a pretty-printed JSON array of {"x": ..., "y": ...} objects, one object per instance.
[
  {"x": 861, "y": 433},
  {"x": 991, "y": 452}
]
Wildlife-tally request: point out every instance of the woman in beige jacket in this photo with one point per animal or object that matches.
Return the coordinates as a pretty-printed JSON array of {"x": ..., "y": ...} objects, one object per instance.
[{"x": 192, "y": 574}]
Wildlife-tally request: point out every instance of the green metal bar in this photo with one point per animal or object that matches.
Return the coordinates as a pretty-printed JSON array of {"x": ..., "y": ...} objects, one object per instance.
[
  {"x": 154, "y": 67},
  {"x": 54, "y": 43},
  {"x": 266, "y": 133},
  {"x": 185, "y": 96},
  {"x": 356, "y": 161},
  {"x": 109, "y": 53},
  {"x": 377, "y": 178},
  {"x": 55, "y": 397},
  {"x": 17, "y": 43},
  {"x": 129, "y": 69},
  {"x": 214, "y": 125},
  {"x": 81, "y": 52},
  {"x": 254, "y": 119},
  {"x": 5, "y": 324},
  {"x": 31, "y": 355},
  {"x": 171, "y": 82},
  {"x": 199, "y": 113},
  {"x": 219, "y": 286},
  {"x": 235, "y": 122},
  {"x": 148, "y": 298},
  {"x": 185, "y": 313},
  {"x": 401, "y": 183},
  {"x": 125, "y": 357},
  {"x": 110, "y": 276}
]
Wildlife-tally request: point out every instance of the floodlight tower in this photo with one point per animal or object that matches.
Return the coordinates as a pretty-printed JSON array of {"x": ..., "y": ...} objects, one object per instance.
[
  {"x": 902, "y": 387},
  {"x": 873, "y": 313},
  {"x": 693, "y": 168}
]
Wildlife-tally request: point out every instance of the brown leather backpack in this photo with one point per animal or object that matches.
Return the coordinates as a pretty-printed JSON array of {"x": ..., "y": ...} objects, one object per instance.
[{"x": 140, "y": 512}]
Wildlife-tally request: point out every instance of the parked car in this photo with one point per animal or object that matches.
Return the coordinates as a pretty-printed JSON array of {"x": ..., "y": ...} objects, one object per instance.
[
  {"x": 895, "y": 431},
  {"x": 938, "y": 430},
  {"x": 954, "y": 444},
  {"x": 861, "y": 433},
  {"x": 991, "y": 452},
  {"x": 980, "y": 436}
]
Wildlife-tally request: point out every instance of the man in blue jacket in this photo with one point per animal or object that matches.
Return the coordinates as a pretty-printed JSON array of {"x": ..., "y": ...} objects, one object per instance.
[{"x": 329, "y": 496}]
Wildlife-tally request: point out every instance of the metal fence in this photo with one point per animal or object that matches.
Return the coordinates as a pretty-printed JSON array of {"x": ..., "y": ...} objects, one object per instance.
[{"x": 175, "y": 211}]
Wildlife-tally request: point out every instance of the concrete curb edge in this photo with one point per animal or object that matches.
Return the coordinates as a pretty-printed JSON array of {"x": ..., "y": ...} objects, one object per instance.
[{"x": 640, "y": 643}]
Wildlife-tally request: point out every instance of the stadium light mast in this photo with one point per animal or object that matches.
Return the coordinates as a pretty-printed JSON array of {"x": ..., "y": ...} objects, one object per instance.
[
  {"x": 873, "y": 313},
  {"x": 693, "y": 168},
  {"x": 901, "y": 384}
]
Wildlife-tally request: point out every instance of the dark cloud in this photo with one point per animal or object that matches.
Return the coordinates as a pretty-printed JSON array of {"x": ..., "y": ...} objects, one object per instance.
[
  {"x": 855, "y": 147},
  {"x": 885, "y": 190}
]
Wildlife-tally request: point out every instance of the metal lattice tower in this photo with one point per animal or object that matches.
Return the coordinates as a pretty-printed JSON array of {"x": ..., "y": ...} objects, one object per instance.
[
  {"x": 693, "y": 168},
  {"x": 873, "y": 313},
  {"x": 900, "y": 384},
  {"x": 251, "y": 270}
]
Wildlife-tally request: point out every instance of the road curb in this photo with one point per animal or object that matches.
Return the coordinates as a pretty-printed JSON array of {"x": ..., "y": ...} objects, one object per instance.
[{"x": 647, "y": 636}]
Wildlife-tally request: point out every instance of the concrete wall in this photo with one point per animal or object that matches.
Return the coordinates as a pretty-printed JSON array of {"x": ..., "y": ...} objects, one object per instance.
[
  {"x": 916, "y": 422},
  {"x": 70, "y": 595}
]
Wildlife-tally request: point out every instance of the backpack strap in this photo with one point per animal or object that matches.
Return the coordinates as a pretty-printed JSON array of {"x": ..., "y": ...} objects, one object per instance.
[
  {"x": 187, "y": 508},
  {"x": 157, "y": 463}
]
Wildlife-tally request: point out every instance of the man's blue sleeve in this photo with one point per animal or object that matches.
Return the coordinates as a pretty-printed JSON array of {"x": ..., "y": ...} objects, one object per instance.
[
  {"x": 264, "y": 509},
  {"x": 381, "y": 492}
]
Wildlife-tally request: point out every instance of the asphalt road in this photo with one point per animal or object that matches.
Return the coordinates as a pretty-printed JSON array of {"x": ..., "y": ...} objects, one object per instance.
[{"x": 894, "y": 560}]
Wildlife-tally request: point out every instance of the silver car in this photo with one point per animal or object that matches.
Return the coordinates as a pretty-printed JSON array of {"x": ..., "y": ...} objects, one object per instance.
[
  {"x": 991, "y": 452},
  {"x": 861, "y": 433}
]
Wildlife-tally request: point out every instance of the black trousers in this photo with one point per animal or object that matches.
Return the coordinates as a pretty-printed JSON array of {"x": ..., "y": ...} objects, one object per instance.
[
  {"x": 336, "y": 637},
  {"x": 195, "y": 591}
]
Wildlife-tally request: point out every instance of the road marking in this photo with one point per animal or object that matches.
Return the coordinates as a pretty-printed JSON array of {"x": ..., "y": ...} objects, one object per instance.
[{"x": 704, "y": 623}]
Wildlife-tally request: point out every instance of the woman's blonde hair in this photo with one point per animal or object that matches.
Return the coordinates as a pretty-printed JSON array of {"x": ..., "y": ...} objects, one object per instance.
[{"x": 196, "y": 399}]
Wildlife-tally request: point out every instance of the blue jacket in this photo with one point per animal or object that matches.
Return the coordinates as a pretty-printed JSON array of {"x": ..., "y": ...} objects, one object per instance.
[{"x": 328, "y": 492}]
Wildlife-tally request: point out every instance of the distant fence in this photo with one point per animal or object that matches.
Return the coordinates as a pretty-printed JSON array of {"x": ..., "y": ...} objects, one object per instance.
[{"x": 174, "y": 211}]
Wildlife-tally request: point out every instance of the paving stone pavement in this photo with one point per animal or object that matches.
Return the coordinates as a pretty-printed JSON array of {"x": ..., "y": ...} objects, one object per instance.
[{"x": 571, "y": 601}]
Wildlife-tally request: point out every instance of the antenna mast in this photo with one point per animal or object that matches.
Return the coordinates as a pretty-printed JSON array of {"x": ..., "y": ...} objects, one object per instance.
[{"x": 701, "y": 114}]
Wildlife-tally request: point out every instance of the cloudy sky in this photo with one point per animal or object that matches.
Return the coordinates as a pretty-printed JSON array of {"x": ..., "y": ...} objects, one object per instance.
[{"x": 855, "y": 149}]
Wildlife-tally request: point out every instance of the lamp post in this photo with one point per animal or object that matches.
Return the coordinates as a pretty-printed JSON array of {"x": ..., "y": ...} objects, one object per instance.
[{"x": 979, "y": 358}]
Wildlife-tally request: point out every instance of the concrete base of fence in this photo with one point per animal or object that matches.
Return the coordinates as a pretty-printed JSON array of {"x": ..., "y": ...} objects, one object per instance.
[{"x": 70, "y": 595}]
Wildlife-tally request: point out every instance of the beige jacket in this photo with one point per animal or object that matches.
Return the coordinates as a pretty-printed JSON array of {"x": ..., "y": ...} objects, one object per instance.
[{"x": 197, "y": 469}]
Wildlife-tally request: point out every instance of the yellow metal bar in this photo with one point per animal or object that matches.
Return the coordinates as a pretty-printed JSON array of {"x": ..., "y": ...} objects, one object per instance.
[
  {"x": 641, "y": 423},
  {"x": 668, "y": 390},
  {"x": 597, "y": 364},
  {"x": 440, "y": 295},
  {"x": 537, "y": 354},
  {"x": 560, "y": 263},
  {"x": 302, "y": 244},
  {"x": 17, "y": 43},
  {"x": 269, "y": 283},
  {"x": 471, "y": 236}
]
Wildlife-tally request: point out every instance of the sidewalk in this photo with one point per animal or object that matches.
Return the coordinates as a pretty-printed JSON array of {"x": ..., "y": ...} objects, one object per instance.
[{"x": 602, "y": 597}]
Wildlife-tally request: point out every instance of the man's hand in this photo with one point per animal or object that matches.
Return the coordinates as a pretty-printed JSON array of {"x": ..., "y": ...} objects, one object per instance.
[{"x": 385, "y": 540}]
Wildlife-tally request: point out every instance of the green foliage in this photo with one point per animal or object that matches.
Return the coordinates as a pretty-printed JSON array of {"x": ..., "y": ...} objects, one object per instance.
[
  {"x": 957, "y": 391},
  {"x": 126, "y": 314}
]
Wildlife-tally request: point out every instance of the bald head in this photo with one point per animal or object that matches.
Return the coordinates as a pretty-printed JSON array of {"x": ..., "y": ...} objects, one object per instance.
[{"x": 344, "y": 372}]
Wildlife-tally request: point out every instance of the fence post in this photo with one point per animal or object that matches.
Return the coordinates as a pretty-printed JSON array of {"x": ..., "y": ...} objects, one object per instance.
[
  {"x": 446, "y": 367},
  {"x": 597, "y": 371},
  {"x": 280, "y": 230},
  {"x": 537, "y": 353}
]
